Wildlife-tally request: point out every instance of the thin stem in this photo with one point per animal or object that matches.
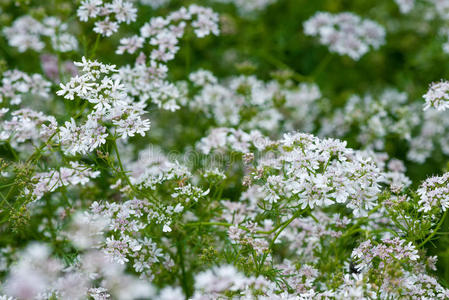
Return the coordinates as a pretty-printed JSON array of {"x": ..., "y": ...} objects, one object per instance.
[
  {"x": 185, "y": 285},
  {"x": 114, "y": 144},
  {"x": 5, "y": 199},
  {"x": 281, "y": 65},
  {"x": 435, "y": 231},
  {"x": 350, "y": 230},
  {"x": 83, "y": 107},
  {"x": 16, "y": 157},
  {"x": 38, "y": 150},
  {"x": 97, "y": 41},
  {"x": 215, "y": 224},
  {"x": 241, "y": 227},
  {"x": 295, "y": 215},
  {"x": 323, "y": 64}
]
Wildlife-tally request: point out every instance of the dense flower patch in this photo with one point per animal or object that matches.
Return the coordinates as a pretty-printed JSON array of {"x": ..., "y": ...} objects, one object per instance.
[{"x": 224, "y": 149}]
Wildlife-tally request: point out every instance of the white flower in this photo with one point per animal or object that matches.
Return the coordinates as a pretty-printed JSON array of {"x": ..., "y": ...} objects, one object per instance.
[
  {"x": 345, "y": 33},
  {"x": 106, "y": 27},
  {"x": 166, "y": 228},
  {"x": 437, "y": 96},
  {"x": 130, "y": 45},
  {"x": 405, "y": 6},
  {"x": 89, "y": 9}
]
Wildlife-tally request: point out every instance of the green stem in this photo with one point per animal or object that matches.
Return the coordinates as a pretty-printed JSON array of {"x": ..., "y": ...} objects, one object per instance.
[
  {"x": 295, "y": 215},
  {"x": 322, "y": 65},
  {"x": 285, "y": 224},
  {"x": 214, "y": 224},
  {"x": 97, "y": 41},
  {"x": 281, "y": 65},
  {"x": 39, "y": 150},
  {"x": 114, "y": 144},
  {"x": 13, "y": 152},
  {"x": 83, "y": 107},
  {"x": 435, "y": 231},
  {"x": 353, "y": 228},
  {"x": 184, "y": 283}
]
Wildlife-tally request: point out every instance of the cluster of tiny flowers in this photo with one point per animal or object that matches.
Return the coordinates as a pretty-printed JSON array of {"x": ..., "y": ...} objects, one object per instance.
[
  {"x": 389, "y": 252},
  {"x": 111, "y": 104},
  {"x": 249, "y": 6},
  {"x": 28, "y": 33},
  {"x": 27, "y": 125},
  {"x": 148, "y": 83},
  {"x": 111, "y": 14},
  {"x": 65, "y": 176},
  {"x": 16, "y": 85},
  {"x": 345, "y": 33},
  {"x": 393, "y": 171},
  {"x": 230, "y": 103},
  {"x": 437, "y": 96},
  {"x": 434, "y": 193},
  {"x": 308, "y": 170},
  {"x": 124, "y": 241},
  {"x": 240, "y": 236},
  {"x": 405, "y": 6},
  {"x": 147, "y": 79},
  {"x": 432, "y": 135},
  {"x": 375, "y": 117},
  {"x": 317, "y": 172},
  {"x": 153, "y": 168},
  {"x": 233, "y": 140},
  {"x": 402, "y": 273},
  {"x": 154, "y": 3},
  {"x": 163, "y": 34},
  {"x": 37, "y": 275}
]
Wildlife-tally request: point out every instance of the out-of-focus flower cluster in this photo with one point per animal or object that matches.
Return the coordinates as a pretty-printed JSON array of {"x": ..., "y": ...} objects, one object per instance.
[{"x": 345, "y": 33}]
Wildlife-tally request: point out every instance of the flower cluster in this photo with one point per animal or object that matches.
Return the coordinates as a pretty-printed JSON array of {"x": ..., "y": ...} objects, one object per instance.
[
  {"x": 318, "y": 172},
  {"x": 38, "y": 275},
  {"x": 111, "y": 104},
  {"x": 405, "y": 6},
  {"x": 147, "y": 79},
  {"x": 432, "y": 135},
  {"x": 253, "y": 104},
  {"x": 377, "y": 118},
  {"x": 16, "y": 85},
  {"x": 398, "y": 261},
  {"x": 28, "y": 125},
  {"x": 249, "y": 6},
  {"x": 389, "y": 252},
  {"x": 65, "y": 176},
  {"x": 28, "y": 33},
  {"x": 155, "y": 3},
  {"x": 433, "y": 193},
  {"x": 164, "y": 33},
  {"x": 112, "y": 14},
  {"x": 437, "y": 96},
  {"x": 345, "y": 33}
]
